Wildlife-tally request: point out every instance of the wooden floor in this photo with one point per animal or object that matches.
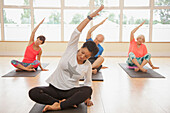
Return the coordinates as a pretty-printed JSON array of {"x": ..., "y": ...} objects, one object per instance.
[{"x": 117, "y": 94}]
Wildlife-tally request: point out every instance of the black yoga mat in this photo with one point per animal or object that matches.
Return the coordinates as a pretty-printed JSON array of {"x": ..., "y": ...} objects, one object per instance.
[
  {"x": 13, "y": 73},
  {"x": 149, "y": 74},
  {"x": 96, "y": 77},
  {"x": 82, "y": 108}
]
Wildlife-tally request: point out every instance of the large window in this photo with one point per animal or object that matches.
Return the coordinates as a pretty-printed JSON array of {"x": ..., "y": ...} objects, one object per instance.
[
  {"x": 131, "y": 19},
  {"x": 71, "y": 20},
  {"x": 17, "y": 25},
  {"x": 161, "y": 21},
  {"x": 19, "y": 17},
  {"x": 51, "y": 27},
  {"x": 110, "y": 29},
  {"x": 161, "y": 25}
]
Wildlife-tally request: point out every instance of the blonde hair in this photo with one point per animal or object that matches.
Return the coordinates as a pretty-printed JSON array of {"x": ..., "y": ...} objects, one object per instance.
[{"x": 143, "y": 38}]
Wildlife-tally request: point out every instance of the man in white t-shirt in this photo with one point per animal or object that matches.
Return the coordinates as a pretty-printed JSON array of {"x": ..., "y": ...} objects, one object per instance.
[{"x": 64, "y": 90}]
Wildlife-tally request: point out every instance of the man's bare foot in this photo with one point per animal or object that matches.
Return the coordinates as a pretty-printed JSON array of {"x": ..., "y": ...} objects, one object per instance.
[
  {"x": 55, "y": 106},
  {"x": 104, "y": 67},
  {"x": 62, "y": 100},
  {"x": 153, "y": 67},
  {"x": 19, "y": 70},
  {"x": 136, "y": 69},
  {"x": 94, "y": 71},
  {"x": 74, "y": 106}
]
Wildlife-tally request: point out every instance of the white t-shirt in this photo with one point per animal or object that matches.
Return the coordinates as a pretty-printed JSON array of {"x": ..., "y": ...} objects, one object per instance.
[{"x": 69, "y": 72}]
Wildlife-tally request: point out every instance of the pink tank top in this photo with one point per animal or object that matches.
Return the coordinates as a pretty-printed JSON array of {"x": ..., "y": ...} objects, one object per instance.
[{"x": 30, "y": 54}]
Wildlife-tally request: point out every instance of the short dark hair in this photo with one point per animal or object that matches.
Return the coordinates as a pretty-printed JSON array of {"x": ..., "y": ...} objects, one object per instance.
[
  {"x": 42, "y": 38},
  {"x": 92, "y": 47}
]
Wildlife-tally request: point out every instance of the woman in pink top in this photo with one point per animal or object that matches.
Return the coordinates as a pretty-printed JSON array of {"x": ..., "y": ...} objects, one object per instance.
[
  {"x": 33, "y": 50},
  {"x": 138, "y": 55}
]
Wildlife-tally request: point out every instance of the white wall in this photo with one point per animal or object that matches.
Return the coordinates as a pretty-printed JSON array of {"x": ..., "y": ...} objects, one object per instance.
[{"x": 57, "y": 48}]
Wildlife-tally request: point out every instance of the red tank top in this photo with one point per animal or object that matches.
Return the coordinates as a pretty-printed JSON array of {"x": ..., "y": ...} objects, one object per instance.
[
  {"x": 139, "y": 52},
  {"x": 30, "y": 54}
]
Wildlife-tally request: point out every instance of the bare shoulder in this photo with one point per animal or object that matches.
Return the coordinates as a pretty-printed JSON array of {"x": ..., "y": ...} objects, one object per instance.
[{"x": 30, "y": 42}]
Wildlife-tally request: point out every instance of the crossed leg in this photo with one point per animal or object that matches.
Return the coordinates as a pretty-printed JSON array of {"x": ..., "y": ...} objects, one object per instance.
[
  {"x": 97, "y": 63},
  {"x": 24, "y": 66},
  {"x": 140, "y": 67},
  {"x": 140, "y": 62}
]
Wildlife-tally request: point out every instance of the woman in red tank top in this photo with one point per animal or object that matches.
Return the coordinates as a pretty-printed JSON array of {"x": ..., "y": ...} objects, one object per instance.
[
  {"x": 33, "y": 50},
  {"x": 138, "y": 55}
]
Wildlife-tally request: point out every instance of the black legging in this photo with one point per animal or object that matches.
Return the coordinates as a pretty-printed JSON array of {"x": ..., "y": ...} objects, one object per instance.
[{"x": 48, "y": 95}]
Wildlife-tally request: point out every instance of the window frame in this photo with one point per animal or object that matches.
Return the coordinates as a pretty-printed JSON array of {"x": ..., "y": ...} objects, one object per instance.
[{"x": 91, "y": 8}]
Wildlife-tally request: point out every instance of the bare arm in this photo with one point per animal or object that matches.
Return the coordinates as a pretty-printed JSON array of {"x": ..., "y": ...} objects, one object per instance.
[
  {"x": 83, "y": 24},
  {"x": 38, "y": 58},
  {"x": 33, "y": 32},
  {"x": 134, "y": 30},
  {"x": 93, "y": 28}
]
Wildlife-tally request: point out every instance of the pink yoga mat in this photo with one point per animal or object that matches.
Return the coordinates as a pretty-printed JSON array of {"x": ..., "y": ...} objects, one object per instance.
[{"x": 132, "y": 67}]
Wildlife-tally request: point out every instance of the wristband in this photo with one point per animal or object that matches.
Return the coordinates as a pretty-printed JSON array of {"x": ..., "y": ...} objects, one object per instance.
[{"x": 90, "y": 18}]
